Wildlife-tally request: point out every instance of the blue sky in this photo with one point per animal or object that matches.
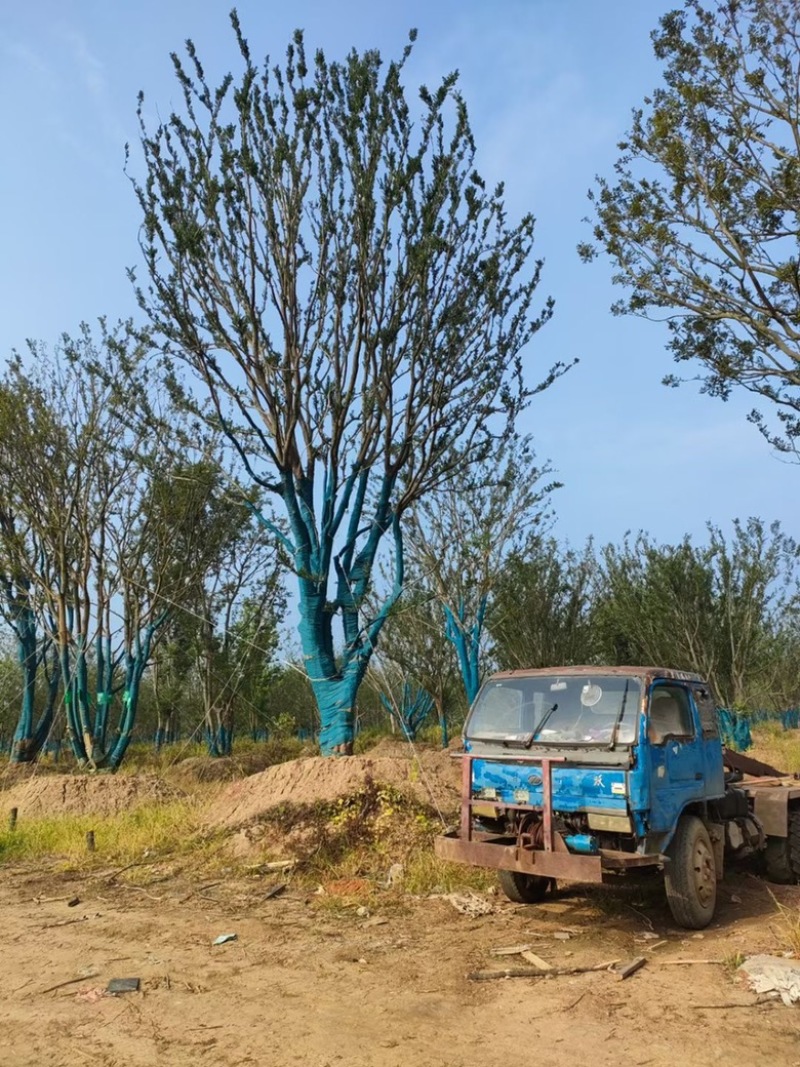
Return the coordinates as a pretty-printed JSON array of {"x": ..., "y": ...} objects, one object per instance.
[{"x": 550, "y": 85}]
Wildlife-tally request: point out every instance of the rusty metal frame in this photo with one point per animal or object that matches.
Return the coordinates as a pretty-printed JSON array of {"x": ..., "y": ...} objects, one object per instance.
[
  {"x": 467, "y": 801},
  {"x": 501, "y": 854},
  {"x": 511, "y": 857},
  {"x": 547, "y": 798}
]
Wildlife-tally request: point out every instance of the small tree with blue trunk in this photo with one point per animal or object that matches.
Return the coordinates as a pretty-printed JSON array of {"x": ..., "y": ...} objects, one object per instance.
[
  {"x": 353, "y": 302},
  {"x": 411, "y": 709},
  {"x": 462, "y": 535}
]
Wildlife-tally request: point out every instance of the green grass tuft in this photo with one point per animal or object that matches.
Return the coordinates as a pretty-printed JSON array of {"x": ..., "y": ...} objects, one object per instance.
[{"x": 152, "y": 831}]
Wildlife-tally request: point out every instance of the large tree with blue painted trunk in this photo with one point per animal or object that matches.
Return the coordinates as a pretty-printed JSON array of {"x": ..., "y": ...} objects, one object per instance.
[{"x": 325, "y": 257}]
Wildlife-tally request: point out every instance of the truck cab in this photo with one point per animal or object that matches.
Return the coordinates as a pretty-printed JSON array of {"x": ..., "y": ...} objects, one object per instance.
[{"x": 583, "y": 773}]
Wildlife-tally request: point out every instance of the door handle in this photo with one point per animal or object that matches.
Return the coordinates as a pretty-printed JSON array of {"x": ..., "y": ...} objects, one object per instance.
[{"x": 698, "y": 776}]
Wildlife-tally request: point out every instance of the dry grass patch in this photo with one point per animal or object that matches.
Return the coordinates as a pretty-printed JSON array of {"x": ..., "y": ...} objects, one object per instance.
[
  {"x": 776, "y": 746},
  {"x": 787, "y": 929}
]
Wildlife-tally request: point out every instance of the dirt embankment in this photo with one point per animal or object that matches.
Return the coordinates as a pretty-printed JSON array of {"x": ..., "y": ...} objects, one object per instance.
[
  {"x": 432, "y": 778},
  {"x": 79, "y": 794}
]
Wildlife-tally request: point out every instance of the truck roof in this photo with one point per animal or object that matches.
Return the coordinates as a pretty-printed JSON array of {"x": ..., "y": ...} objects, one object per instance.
[{"x": 599, "y": 668}]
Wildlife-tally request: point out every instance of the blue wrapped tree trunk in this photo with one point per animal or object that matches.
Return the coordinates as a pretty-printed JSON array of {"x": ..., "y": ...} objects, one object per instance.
[{"x": 413, "y": 709}]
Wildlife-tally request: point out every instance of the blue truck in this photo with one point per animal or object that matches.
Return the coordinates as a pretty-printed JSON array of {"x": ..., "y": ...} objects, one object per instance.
[{"x": 588, "y": 773}]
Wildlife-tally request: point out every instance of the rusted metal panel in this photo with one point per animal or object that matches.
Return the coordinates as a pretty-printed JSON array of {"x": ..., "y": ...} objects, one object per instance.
[
  {"x": 547, "y": 799},
  {"x": 771, "y": 803},
  {"x": 772, "y": 810},
  {"x": 501, "y": 853},
  {"x": 620, "y": 824},
  {"x": 563, "y": 865},
  {"x": 747, "y": 765},
  {"x": 466, "y": 797},
  {"x": 593, "y": 669}
]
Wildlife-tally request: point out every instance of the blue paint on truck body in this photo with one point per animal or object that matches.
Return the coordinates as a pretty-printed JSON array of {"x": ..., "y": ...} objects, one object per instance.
[
  {"x": 574, "y": 789},
  {"x": 674, "y": 762}
]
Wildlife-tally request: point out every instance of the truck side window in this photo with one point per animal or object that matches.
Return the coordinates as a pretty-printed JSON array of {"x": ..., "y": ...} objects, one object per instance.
[
  {"x": 707, "y": 710},
  {"x": 669, "y": 715}
]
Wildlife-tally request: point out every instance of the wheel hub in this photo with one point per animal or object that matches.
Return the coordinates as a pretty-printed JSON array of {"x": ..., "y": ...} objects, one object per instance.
[{"x": 704, "y": 873}]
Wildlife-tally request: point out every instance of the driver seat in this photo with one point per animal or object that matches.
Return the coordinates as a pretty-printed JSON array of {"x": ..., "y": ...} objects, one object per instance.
[{"x": 664, "y": 717}]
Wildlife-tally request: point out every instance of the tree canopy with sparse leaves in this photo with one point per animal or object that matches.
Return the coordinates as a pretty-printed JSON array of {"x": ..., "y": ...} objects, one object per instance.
[{"x": 356, "y": 305}]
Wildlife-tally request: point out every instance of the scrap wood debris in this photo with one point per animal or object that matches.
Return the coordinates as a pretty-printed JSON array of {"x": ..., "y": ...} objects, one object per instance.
[
  {"x": 537, "y": 972},
  {"x": 511, "y": 950}
]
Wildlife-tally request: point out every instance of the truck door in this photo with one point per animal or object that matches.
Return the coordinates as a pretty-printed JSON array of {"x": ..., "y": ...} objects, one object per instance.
[
  {"x": 675, "y": 749},
  {"x": 706, "y": 708}
]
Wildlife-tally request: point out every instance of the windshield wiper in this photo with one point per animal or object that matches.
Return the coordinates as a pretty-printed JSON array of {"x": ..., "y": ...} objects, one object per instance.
[
  {"x": 543, "y": 722},
  {"x": 618, "y": 719}
]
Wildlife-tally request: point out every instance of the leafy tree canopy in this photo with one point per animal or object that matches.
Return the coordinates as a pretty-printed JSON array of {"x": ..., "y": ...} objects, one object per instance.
[{"x": 701, "y": 217}]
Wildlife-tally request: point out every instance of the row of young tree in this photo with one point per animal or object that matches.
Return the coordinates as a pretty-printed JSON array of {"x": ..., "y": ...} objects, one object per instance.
[
  {"x": 123, "y": 553},
  {"x": 354, "y": 311},
  {"x": 727, "y": 608}
]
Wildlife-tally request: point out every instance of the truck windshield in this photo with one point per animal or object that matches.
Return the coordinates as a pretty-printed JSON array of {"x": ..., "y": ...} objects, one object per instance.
[{"x": 556, "y": 709}]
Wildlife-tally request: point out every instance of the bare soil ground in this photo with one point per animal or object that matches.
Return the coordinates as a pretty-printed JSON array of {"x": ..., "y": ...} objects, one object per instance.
[
  {"x": 310, "y": 982},
  {"x": 313, "y": 981}
]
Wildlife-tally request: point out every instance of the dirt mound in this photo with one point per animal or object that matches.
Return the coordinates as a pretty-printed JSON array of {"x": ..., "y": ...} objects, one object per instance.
[
  {"x": 217, "y": 768},
  {"x": 75, "y": 794},
  {"x": 392, "y": 747},
  {"x": 14, "y": 773},
  {"x": 397, "y": 747},
  {"x": 434, "y": 779},
  {"x": 195, "y": 769}
]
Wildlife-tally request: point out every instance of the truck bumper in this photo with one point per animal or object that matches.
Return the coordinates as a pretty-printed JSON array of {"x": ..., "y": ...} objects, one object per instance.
[{"x": 503, "y": 854}]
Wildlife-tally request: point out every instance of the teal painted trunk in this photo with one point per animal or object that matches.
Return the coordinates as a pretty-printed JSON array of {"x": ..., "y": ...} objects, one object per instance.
[
  {"x": 22, "y": 749},
  {"x": 336, "y": 700},
  {"x": 466, "y": 639},
  {"x": 335, "y": 675}
]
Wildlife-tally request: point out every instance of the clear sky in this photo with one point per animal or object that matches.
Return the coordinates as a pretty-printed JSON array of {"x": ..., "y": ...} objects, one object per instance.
[{"x": 550, "y": 85}]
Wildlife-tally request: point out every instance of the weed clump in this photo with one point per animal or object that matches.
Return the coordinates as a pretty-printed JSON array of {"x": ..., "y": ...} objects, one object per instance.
[{"x": 363, "y": 836}]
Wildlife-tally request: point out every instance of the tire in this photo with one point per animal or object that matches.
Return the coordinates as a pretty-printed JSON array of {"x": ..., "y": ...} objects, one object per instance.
[
  {"x": 525, "y": 888},
  {"x": 691, "y": 875},
  {"x": 782, "y": 854}
]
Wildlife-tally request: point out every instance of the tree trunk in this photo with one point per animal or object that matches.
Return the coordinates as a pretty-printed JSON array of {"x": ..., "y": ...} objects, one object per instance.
[{"x": 23, "y": 749}]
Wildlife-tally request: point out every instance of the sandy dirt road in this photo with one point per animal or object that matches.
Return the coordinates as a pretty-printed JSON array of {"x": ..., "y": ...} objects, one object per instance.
[{"x": 316, "y": 986}]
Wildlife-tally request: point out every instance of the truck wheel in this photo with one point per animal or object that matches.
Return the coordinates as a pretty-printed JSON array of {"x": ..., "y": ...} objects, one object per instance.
[
  {"x": 691, "y": 875},
  {"x": 525, "y": 888},
  {"x": 782, "y": 854}
]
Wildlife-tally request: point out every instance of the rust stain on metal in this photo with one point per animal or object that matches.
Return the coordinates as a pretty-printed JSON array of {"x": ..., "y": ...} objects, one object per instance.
[{"x": 735, "y": 761}]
